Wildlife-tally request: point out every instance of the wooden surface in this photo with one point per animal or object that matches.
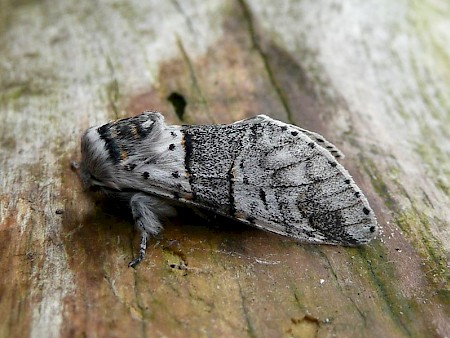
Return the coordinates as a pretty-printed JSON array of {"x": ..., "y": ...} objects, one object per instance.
[{"x": 372, "y": 76}]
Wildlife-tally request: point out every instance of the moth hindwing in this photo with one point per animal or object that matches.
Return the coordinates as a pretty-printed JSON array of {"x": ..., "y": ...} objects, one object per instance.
[{"x": 259, "y": 171}]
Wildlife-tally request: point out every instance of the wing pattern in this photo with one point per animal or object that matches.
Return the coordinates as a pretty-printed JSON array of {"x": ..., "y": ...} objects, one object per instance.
[{"x": 276, "y": 177}]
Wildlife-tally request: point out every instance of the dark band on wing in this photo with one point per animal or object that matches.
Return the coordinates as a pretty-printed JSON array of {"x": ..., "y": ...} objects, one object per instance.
[
  {"x": 187, "y": 143},
  {"x": 230, "y": 179}
]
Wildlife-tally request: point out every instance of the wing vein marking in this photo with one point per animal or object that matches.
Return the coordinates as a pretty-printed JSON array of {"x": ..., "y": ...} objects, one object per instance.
[
  {"x": 336, "y": 193},
  {"x": 347, "y": 207},
  {"x": 303, "y": 184},
  {"x": 288, "y": 166}
]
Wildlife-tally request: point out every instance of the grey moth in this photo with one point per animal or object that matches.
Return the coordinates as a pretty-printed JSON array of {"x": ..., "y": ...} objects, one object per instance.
[{"x": 258, "y": 171}]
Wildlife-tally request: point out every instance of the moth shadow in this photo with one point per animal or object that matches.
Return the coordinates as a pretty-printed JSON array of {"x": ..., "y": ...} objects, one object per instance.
[
  {"x": 204, "y": 226},
  {"x": 98, "y": 233},
  {"x": 105, "y": 233}
]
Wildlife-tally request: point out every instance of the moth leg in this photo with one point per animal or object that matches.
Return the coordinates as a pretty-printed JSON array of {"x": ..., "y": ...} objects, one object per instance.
[
  {"x": 144, "y": 210},
  {"x": 142, "y": 249}
]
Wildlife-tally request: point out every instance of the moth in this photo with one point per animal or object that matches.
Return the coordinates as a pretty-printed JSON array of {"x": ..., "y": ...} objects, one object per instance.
[{"x": 259, "y": 171}]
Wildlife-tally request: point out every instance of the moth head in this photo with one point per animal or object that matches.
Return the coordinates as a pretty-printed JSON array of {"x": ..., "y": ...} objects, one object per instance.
[{"x": 95, "y": 167}]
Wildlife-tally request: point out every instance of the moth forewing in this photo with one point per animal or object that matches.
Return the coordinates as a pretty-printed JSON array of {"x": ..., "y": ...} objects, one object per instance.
[
  {"x": 260, "y": 171},
  {"x": 293, "y": 186},
  {"x": 316, "y": 137}
]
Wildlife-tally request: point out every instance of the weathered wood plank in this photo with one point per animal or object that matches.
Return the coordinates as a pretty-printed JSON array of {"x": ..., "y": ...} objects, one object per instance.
[{"x": 372, "y": 77}]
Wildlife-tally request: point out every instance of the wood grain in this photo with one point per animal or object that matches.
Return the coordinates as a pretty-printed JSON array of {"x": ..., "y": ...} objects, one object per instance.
[{"x": 373, "y": 77}]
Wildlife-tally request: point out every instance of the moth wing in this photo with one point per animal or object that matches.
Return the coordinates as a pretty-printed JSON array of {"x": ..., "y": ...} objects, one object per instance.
[
  {"x": 316, "y": 137},
  {"x": 324, "y": 143},
  {"x": 259, "y": 171},
  {"x": 286, "y": 183}
]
